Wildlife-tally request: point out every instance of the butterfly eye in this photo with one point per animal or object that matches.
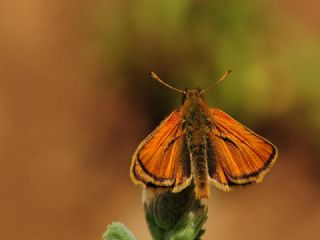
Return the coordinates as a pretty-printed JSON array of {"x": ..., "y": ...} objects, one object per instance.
[{"x": 184, "y": 98}]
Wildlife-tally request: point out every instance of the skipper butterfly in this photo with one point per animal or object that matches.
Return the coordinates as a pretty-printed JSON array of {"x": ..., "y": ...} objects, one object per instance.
[{"x": 202, "y": 145}]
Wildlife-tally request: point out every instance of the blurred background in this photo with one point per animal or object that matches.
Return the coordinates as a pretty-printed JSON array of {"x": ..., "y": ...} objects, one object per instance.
[{"x": 76, "y": 100}]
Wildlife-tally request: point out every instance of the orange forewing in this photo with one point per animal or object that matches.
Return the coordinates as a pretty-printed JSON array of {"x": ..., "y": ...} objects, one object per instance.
[
  {"x": 158, "y": 161},
  {"x": 240, "y": 156}
]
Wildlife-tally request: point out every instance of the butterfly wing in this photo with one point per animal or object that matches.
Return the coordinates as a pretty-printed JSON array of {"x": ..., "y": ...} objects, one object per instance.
[
  {"x": 237, "y": 155},
  {"x": 162, "y": 159}
]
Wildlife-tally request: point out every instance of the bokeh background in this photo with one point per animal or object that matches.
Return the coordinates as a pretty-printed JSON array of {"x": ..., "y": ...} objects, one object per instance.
[{"x": 76, "y": 99}]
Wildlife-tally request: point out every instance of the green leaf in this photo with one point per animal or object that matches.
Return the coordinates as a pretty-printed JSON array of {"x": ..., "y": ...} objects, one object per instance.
[{"x": 117, "y": 231}]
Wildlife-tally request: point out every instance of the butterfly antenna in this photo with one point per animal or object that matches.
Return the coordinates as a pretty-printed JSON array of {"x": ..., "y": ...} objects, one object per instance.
[
  {"x": 152, "y": 74},
  {"x": 217, "y": 82}
]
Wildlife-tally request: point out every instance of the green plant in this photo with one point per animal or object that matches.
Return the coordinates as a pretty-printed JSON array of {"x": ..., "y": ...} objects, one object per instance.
[{"x": 170, "y": 216}]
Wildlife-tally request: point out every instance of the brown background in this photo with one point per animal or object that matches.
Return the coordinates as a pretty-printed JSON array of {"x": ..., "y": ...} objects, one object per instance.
[{"x": 74, "y": 105}]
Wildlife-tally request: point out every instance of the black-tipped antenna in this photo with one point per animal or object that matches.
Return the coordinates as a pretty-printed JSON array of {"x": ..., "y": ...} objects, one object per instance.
[
  {"x": 217, "y": 82},
  {"x": 152, "y": 74}
]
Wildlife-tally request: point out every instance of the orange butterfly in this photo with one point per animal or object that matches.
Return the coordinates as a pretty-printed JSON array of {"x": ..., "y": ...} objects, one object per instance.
[{"x": 200, "y": 144}]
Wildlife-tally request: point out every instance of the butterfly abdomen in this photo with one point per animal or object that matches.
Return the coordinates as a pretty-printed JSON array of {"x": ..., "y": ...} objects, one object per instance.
[{"x": 199, "y": 167}]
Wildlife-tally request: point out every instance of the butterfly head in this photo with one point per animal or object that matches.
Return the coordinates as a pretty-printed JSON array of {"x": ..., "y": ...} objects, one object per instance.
[{"x": 192, "y": 93}]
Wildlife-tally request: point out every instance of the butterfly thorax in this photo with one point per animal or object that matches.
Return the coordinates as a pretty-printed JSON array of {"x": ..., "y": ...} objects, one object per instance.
[{"x": 196, "y": 124}]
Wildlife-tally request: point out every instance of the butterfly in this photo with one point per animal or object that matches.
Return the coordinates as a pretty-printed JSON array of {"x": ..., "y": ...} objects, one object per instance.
[{"x": 199, "y": 145}]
